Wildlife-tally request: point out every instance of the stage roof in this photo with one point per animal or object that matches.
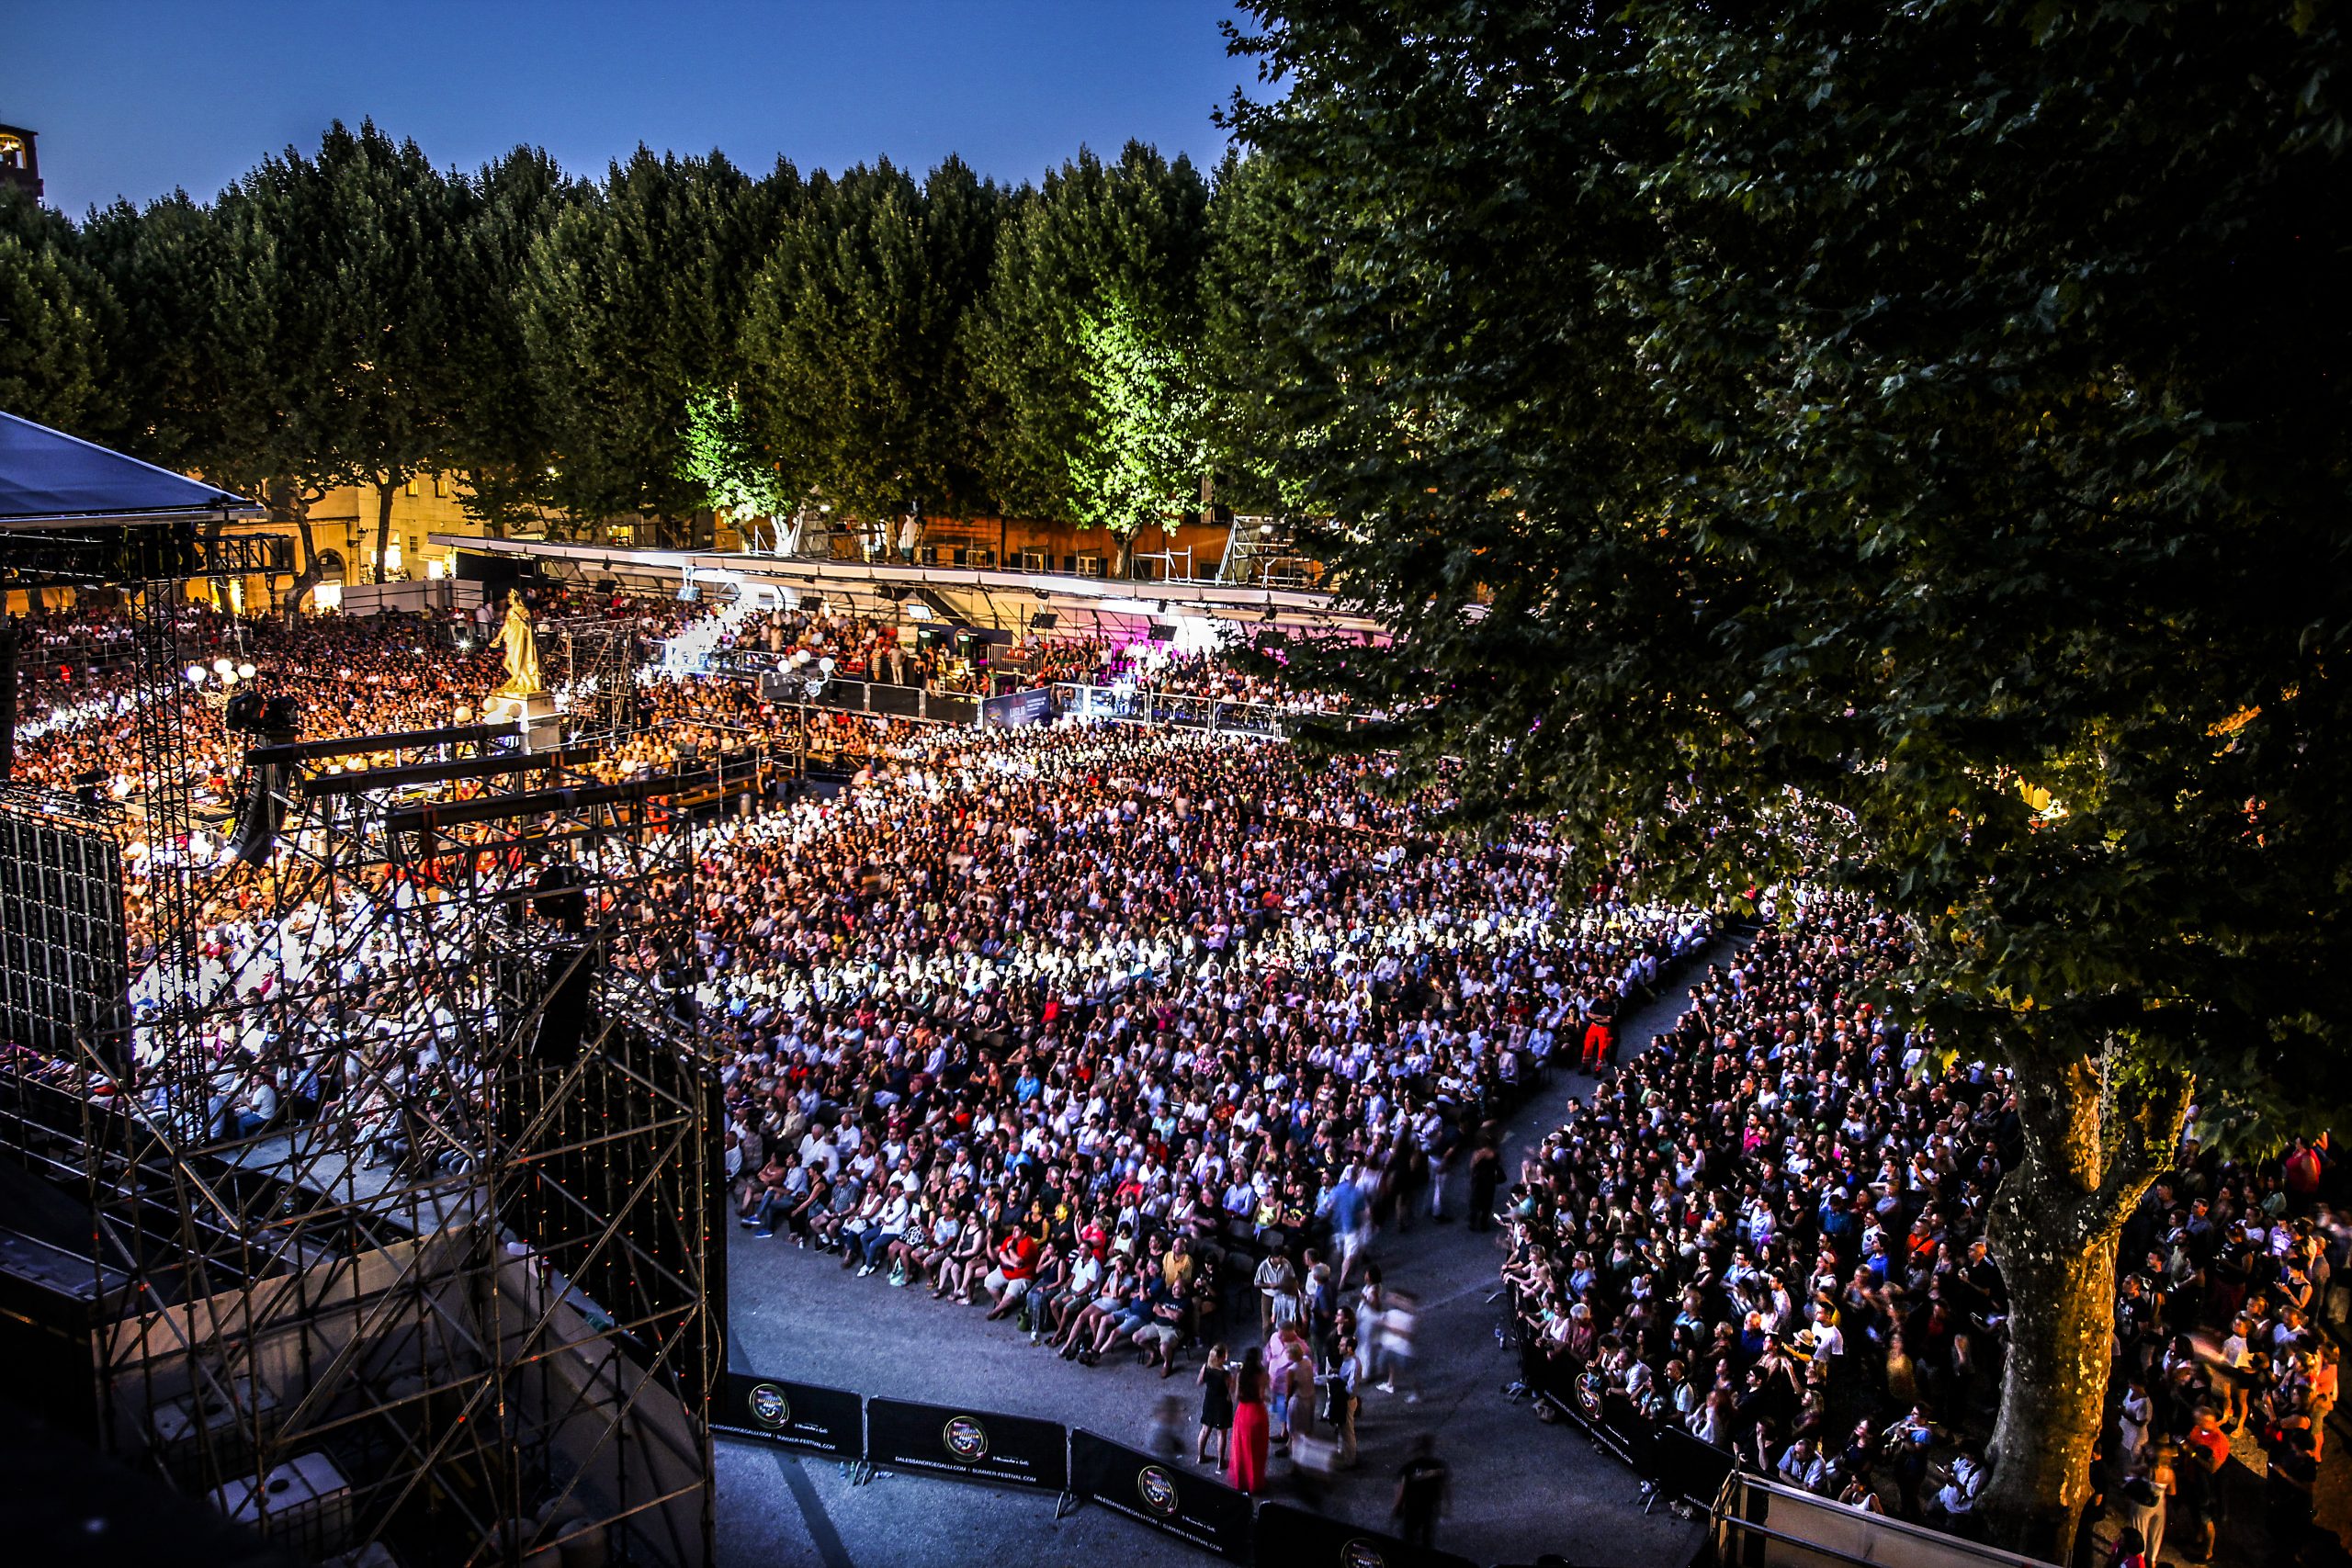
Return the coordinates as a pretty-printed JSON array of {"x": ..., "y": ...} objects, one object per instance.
[{"x": 50, "y": 479}]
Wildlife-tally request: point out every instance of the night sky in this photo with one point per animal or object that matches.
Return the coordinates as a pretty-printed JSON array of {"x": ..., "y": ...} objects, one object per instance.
[{"x": 134, "y": 99}]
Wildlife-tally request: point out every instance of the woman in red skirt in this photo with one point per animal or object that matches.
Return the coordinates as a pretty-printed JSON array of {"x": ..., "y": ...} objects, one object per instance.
[{"x": 1246, "y": 1454}]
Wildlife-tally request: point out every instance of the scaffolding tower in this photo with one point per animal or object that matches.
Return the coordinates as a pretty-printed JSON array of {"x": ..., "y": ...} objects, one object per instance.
[
  {"x": 594, "y": 665},
  {"x": 401, "y": 1177}
]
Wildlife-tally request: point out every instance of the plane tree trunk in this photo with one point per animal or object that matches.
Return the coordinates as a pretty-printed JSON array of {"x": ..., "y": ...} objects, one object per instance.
[{"x": 2089, "y": 1155}]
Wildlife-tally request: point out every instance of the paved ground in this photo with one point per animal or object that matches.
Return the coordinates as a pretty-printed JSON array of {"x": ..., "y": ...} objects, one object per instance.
[{"x": 1522, "y": 1487}]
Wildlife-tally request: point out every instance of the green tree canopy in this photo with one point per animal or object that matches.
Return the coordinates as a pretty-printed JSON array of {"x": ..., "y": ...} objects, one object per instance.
[
  {"x": 1143, "y": 453},
  {"x": 852, "y": 340},
  {"x": 1134, "y": 231},
  {"x": 502, "y": 441},
  {"x": 165, "y": 264},
  {"x": 59, "y": 317},
  {"x": 1912, "y": 439},
  {"x": 633, "y": 303},
  {"x": 333, "y": 315}
]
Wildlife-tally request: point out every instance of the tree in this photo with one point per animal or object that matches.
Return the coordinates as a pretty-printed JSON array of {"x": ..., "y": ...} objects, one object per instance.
[
  {"x": 722, "y": 457},
  {"x": 502, "y": 441},
  {"x": 632, "y": 304},
  {"x": 165, "y": 264},
  {"x": 1134, "y": 230},
  {"x": 338, "y": 309},
  {"x": 57, "y": 314},
  {"x": 851, "y": 343},
  {"x": 1905, "y": 436},
  {"x": 1142, "y": 451},
  {"x": 1247, "y": 220}
]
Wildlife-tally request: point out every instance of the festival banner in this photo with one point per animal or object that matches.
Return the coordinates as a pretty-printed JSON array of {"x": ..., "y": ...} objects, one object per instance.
[
  {"x": 953, "y": 1440},
  {"x": 1161, "y": 1493},
  {"x": 1033, "y": 706},
  {"x": 796, "y": 1414}
]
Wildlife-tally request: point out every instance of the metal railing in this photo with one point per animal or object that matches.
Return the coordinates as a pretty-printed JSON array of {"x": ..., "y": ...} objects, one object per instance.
[{"x": 1141, "y": 705}]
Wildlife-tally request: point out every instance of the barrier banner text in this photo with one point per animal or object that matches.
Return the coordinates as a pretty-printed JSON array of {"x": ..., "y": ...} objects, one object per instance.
[
  {"x": 1162, "y": 1494},
  {"x": 950, "y": 1439}
]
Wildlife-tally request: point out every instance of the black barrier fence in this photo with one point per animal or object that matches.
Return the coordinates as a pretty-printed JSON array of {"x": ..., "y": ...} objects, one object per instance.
[
  {"x": 1158, "y": 1493},
  {"x": 975, "y": 1445},
  {"x": 1163, "y": 1494},
  {"x": 878, "y": 697},
  {"x": 1672, "y": 1464},
  {"x": 798, "y": 1415},
  {"x": 1288, "y": 1535}
]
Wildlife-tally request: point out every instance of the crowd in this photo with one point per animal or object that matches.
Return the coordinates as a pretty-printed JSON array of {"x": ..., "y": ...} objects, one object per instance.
[
  {"x": 76, "y": 728},
  {"x": 1135, "y": 1035},
  {"x": 1769, "y": 1230},
  {"x": 1122, "y": 1031}
]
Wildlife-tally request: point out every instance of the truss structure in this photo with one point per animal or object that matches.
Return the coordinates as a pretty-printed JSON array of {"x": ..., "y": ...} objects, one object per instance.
[
  {"x": 596, "y": 664},
  {"x": 453, "y": 1298}
]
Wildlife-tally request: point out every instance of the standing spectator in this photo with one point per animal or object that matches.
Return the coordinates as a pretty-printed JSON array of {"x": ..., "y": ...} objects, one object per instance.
[
  {"x": 1276, "y": 1276},
  {"x": 1246, "y": 1466},
  {"x": 1424, "y": 1492},
  {"x": 1215, "y": 1381}
]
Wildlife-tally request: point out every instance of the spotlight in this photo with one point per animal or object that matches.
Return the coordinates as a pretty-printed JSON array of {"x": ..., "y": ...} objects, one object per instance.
[
  {"x": 224, "y": 667},
  {"x": 195, "y": 674},
  {"x": 245, "y": 672}
]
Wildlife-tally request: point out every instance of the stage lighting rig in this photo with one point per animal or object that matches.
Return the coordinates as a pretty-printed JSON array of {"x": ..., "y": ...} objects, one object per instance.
[{"x": 250, "y": 712}]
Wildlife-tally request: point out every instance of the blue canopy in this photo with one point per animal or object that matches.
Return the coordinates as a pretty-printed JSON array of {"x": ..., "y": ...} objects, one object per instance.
[{"x": 48, "y": 479}]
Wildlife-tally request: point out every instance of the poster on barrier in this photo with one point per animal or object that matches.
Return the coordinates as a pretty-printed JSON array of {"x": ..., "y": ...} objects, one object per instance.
[
  {"x": 1033, "y": 706},
  {"x": 796, "y": 1414},
  {"x": 952, "y": 1440},
  {"x": 1160, "y": 1493},
  {"x": 1292, "y": 1536}
]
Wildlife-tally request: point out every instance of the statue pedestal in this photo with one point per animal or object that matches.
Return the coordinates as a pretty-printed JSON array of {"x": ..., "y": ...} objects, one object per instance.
[{"x": 533, "y": 716}]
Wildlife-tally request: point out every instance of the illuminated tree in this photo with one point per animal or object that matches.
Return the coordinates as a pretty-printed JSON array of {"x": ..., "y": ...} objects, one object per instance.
[{"x": 1139, "y": 454}]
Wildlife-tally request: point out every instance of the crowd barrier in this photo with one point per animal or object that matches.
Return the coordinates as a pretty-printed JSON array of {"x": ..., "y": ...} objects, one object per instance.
[
  {"x": 1164, "y": 1496},
  {"x": 877, "y": 697},
  {"x": 1762, "y": 1524},
  {"x": 1671, "y": 1465}
]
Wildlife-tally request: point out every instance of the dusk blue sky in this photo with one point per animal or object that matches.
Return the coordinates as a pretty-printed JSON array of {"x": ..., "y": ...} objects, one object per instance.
[{"x": 133, "y": 99}]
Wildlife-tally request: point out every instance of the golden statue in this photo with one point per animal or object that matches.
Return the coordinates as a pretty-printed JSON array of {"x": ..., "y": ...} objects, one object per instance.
[{"x": 522, "y": 651}]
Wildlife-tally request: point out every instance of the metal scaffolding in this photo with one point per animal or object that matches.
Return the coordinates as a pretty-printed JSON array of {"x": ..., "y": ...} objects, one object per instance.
[{"x": 405, "y": 1208}]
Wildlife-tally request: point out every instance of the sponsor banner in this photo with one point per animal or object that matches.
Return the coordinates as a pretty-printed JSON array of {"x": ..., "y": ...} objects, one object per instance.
[
  {"x": 1294, "y": 1536},
  {"x": 1013, "y": 708},
  {"x": 796, "y": 1414},
  {"x": 1160, "y": 1493},
  {"x": 951, "y": 1439}
]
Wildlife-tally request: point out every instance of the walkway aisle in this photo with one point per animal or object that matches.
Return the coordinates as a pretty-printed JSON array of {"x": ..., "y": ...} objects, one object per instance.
[{"x": 1521, "y": 1487}]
